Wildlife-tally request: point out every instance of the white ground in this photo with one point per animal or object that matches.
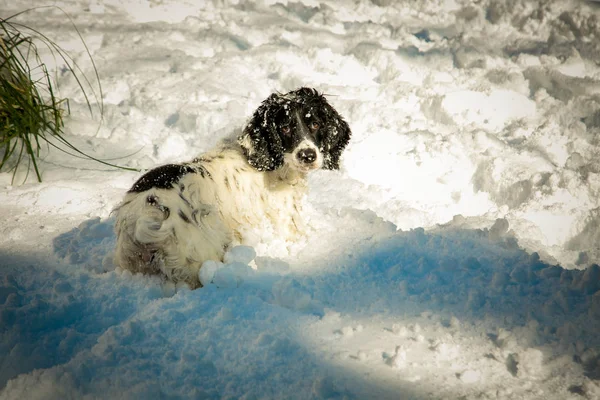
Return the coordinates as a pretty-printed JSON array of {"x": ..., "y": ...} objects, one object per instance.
[{"x": 451, "y": 257}]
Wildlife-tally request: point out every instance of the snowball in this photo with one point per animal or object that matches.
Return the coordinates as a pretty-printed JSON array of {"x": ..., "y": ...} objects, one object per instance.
[
  {"x": 231, "y": 275},
  {"x": 207, "y": 271},
  {"x": 242, "y": 254},
  {"x": 225, "y": 277},
  {"x": 241, "y": 270}
]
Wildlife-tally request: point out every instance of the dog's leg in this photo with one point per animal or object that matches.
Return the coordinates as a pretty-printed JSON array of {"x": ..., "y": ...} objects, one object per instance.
[{"x": 160, "y": 232}]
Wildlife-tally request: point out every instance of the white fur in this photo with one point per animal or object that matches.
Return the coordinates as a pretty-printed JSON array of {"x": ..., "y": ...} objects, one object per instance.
[{"x": 153, "y": 238}]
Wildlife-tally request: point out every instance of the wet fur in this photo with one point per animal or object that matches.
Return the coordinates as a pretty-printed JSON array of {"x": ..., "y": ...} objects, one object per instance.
[{"x": 177, "y": 216}]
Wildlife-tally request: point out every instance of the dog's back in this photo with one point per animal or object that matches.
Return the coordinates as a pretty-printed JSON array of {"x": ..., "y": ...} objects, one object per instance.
[
  {"x": 159, "y": 231},
  {"x": 175, "y": 217}
]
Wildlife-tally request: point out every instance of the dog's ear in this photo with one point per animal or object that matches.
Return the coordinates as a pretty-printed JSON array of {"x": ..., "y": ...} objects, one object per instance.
[
  {"x": 335, "y": 137},
  {"x": 260, "y": 140}
]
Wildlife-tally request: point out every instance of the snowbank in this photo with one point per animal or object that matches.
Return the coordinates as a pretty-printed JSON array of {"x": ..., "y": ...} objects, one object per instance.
[{"x": 454, "y": 255}]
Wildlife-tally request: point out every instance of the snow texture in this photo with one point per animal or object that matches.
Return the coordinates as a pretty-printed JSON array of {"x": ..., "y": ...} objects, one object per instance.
[{"x": 454, "y": 254}]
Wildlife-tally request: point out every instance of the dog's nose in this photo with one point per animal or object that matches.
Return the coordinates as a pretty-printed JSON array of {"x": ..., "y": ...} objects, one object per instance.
[{"x": 307, "y": 156}]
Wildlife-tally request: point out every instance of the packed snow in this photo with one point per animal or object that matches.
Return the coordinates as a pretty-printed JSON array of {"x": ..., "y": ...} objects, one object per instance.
[{"x": 453, "y": 256}]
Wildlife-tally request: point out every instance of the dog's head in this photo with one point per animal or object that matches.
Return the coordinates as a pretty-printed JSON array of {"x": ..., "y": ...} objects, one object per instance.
[{"x": 299, "y": 129}]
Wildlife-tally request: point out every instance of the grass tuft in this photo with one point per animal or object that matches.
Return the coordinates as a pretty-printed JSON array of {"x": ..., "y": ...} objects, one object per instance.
[{"x": 31, "y": 114}]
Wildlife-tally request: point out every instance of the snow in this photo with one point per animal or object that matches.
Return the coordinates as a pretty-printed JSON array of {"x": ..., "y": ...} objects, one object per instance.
[{"x": 454, "y": 255}]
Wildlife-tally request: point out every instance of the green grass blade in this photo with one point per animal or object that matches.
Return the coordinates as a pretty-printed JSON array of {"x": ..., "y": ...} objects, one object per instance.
[{"x": 31, "y": 114}]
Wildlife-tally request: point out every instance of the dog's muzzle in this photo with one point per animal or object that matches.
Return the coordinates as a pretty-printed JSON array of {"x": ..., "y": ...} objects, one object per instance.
[{"x": 307, "y": 156}]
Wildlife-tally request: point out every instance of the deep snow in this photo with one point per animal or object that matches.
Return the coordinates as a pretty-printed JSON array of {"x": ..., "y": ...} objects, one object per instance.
[{"x": 454, "y": 255}]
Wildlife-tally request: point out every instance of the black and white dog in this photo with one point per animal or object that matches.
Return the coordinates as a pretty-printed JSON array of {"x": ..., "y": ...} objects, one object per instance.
[{"x": 177, "y": 216}]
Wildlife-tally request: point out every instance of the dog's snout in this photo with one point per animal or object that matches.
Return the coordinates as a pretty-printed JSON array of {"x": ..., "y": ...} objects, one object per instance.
[{"x": 307, "y": 156}]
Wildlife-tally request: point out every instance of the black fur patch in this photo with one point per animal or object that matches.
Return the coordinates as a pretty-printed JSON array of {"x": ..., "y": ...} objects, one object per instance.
[{"x": 162, "y": 177}]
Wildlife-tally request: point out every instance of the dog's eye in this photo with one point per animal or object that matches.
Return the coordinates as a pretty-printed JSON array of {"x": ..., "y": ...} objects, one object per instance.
[
  {"x": 286, "y": 129},
  {"x": 313, "y": 126}
]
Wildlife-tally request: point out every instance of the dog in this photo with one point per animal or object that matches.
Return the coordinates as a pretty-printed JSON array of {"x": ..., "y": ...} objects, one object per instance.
[{"x": 177, "y": 216}]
